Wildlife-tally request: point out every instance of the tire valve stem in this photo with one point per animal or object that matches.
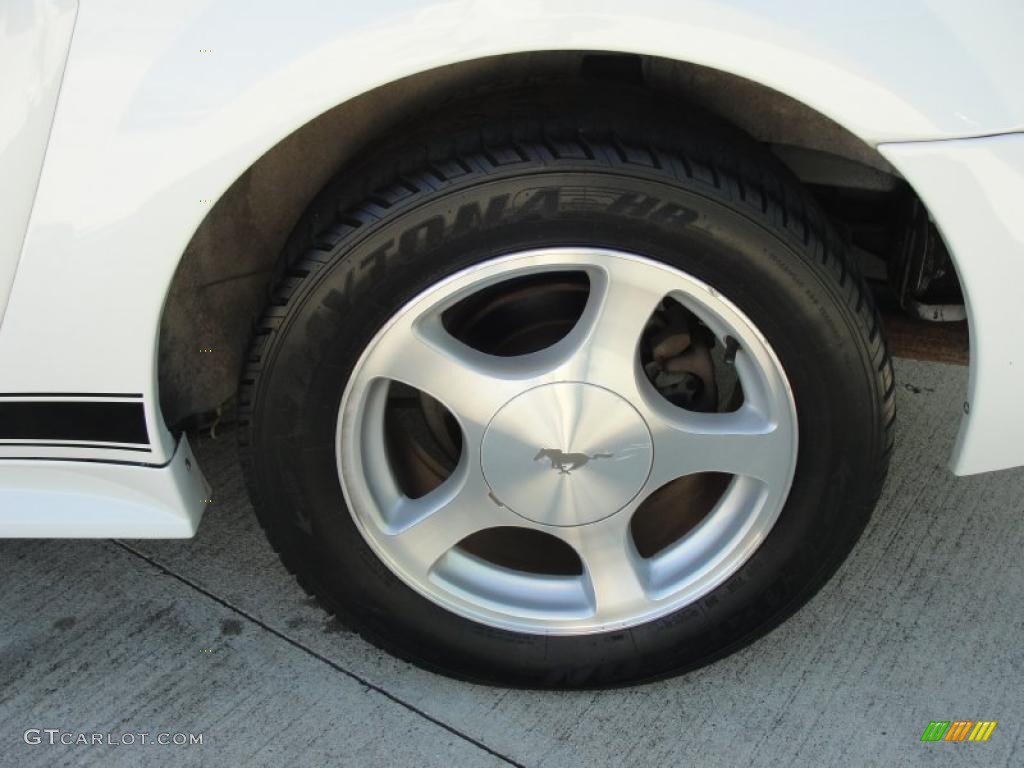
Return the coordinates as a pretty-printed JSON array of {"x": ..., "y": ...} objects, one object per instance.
[{"x": 731, "y": 346}]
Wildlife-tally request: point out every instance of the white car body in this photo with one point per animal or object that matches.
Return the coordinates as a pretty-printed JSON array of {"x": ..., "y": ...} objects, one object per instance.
[{"x": 122, "y": 121}]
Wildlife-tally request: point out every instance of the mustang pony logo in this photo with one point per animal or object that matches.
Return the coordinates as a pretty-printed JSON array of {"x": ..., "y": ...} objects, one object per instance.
[{"x": 567, "y": 462}]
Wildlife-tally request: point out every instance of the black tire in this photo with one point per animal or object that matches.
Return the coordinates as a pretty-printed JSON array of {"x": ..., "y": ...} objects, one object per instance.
[{"x": 493, "y": 180}]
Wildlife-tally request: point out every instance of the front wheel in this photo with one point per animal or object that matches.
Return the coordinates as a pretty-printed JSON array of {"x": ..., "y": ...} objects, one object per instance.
[{"x": 583, "y": 402}]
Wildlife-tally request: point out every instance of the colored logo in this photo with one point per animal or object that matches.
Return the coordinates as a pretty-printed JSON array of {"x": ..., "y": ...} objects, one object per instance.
[{"x": 958, "y": 730}]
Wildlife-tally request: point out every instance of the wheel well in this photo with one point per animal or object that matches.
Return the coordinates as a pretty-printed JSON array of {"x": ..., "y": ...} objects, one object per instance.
[{"x": 223, "y": 279}]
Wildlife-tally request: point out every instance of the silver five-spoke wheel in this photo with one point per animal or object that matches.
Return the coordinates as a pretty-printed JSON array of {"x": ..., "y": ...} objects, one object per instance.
[{"x": 568, "y": 440}]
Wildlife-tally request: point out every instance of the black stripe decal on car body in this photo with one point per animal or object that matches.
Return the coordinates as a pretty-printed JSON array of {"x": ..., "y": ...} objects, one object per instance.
[
  {"x": 89, "y": 446},
  {"x": 102, "y": 422},
  {"x": 62, "y": 395}
]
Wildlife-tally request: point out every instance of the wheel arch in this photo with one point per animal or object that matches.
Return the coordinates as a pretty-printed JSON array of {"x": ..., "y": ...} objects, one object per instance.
[{"x": 223, "y": 278}]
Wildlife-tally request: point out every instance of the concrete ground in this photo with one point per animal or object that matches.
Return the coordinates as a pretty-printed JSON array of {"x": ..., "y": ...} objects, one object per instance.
[{"x": 211, "y": 636}]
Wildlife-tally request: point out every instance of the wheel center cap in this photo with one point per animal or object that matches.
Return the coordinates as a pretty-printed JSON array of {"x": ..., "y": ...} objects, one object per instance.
[{"x": 566, "y": 454}]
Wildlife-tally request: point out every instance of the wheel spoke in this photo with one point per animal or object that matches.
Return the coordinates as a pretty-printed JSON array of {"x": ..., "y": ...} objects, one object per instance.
[
  {"x": 467, "y": 382},
  {"x": 424, "y": 529},
  {"x": 739, "y": 443},
  {"x": 613, "y": 569},
  {"x": 607, "y": 337}
]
